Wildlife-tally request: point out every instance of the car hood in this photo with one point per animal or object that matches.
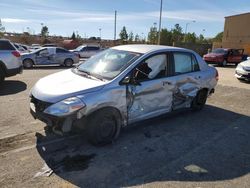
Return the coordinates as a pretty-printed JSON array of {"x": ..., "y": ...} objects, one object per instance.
[
  {"x": 245, "y": 63},
  {"x": 64, "y": 84},
  {"x": 213, "y": 55}
]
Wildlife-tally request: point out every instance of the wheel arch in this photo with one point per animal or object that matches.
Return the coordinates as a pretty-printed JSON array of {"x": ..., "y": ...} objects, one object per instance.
[
  {"x": 110, "y": 108},
  {"x": 28, "y": 58}
]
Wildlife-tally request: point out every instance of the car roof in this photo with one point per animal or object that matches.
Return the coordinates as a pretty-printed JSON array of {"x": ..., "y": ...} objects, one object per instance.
[{"x": 144, "y": 48}]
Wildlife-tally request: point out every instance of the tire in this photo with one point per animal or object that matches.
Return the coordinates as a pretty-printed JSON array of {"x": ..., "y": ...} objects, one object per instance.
[
  {"x": 28, "y": 63},
  {"x": 103, "y": 127},
  {"x": 200, "y": 100},
  {"x": 2, "y": 75},
  {"x": 68, "y": 62}
]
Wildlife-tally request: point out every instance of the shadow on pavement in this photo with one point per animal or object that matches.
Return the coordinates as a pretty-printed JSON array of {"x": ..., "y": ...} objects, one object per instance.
[
  {"x": 49, "y": 67},
  {"x": 210, "y": 145},
  {"x": 9, "y": 87},
  {"x": 230, "y": 66}
]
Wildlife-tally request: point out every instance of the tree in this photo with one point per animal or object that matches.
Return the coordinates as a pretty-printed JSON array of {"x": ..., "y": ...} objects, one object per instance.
[
  {"x": 218, "y": 37},
  {"x": 190, "y": 38},
  {"x": 153, "y": 35},
  {"x": 131, "y": 37},
  {"x": 166, "y": 37},
  {"x": 177, "y": 35},
  {"x": 2, "y": 29},
  {"x": 73, "y": 37},
  {"x": 123, "y": 34},
  {"x": 137, "y": 38},
  {"x": 45, "y": 31}
]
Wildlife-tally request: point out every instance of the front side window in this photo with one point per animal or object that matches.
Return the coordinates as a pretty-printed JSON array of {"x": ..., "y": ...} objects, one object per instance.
[
  {"x": 43, "y": 52},
  {"x": 185, "y": 63},
  {"x": 219, "y": 51},
  {"x": 152, "y": 68},
  {"x": 109, "y": 63}
]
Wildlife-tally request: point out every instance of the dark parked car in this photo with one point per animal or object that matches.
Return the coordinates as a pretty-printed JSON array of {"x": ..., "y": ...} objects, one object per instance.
[{"x": 222, "y": 56}]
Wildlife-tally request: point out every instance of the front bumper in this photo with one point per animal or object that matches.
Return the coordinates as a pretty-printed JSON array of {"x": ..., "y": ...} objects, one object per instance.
[
  {"x": 64, "y": 123},
  {"x": 242, "y": 75}
]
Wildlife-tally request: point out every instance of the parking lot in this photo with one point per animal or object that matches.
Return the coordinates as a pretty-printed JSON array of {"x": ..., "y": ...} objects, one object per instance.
[{"x": 210, "y": 148}]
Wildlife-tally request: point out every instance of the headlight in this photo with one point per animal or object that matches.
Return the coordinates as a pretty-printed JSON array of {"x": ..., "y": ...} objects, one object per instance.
[{"x": 65, "y": 107}]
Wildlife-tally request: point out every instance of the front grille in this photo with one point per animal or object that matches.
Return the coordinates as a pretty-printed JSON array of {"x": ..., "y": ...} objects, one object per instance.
[{"x": 39, "y": 105}]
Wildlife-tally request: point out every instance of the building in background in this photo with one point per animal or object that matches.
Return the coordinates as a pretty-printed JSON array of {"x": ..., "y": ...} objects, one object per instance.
[{"x": 236, "y": 32}]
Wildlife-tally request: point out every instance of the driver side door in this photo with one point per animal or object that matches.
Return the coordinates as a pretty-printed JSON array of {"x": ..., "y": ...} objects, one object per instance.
[
  {"x": 150, "y": 94},
  {"x": 42, "y": 57}
]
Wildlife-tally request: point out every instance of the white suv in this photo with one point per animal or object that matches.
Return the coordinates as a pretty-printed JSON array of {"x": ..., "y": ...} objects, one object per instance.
[{"x": 10, "y": 60}]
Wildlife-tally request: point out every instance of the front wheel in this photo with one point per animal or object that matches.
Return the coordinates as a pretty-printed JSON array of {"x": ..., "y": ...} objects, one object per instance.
[
  {"x": 103, "y": 127},
  {"x": 200, "y": 100}
]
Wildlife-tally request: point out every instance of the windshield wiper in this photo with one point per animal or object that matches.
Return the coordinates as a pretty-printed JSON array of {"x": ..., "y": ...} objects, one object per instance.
[{"x": 89, "y": 75}]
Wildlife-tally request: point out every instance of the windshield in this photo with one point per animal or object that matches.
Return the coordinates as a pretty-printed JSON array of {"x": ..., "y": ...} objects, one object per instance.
[
  {"x": 79, "y": 48},
  {"x": 109, "y": 63},
  {"x": 219, "y": 51}
]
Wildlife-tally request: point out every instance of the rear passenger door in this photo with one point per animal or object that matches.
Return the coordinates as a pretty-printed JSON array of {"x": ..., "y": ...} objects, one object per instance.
[
  {"x": 186, "y": 77},
  {"x": 61, "y": 55}
]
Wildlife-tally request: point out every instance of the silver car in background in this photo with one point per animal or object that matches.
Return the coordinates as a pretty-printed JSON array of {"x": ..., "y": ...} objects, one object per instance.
[
  {"x": 242, "y": 71},
  {"x": 120, "y": 86},
  {"x": 50, "y": 56},
  {"x": 86, "y": 51}
]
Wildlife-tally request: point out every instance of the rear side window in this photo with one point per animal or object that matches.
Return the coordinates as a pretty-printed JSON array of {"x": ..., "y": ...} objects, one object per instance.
[
  {"x": 92, "y": 48},
  {"x": 6, "y": 45},
  {"x": 185, "y": 63},
  {"x": 60, "y": 50}
]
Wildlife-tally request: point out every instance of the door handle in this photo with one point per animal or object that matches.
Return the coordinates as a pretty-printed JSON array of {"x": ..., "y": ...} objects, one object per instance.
[
  {"x": 166, "y": 83},
  {"x": 197, "y": 77}
]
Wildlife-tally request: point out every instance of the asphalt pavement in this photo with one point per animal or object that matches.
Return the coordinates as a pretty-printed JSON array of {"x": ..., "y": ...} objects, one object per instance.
[{"x": 209, "y": 148}]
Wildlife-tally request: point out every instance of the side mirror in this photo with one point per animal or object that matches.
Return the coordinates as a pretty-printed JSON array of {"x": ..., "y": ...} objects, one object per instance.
[{"x": 126, "y": 80}]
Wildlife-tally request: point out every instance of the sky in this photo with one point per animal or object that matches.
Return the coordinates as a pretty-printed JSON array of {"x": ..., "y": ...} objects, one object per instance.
[{"x": 96, "y": 17}]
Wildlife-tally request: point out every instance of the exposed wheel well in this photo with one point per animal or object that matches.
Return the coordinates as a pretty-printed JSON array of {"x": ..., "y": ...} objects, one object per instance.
[{"x": 109, "y": 108}]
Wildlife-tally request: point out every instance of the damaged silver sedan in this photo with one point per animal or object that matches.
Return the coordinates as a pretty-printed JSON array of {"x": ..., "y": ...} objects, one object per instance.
[{"x": 120, "y": 86}]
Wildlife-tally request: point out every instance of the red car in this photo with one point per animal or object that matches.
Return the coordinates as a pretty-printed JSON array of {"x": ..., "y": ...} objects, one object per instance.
[{"x": 222, "y": 56}]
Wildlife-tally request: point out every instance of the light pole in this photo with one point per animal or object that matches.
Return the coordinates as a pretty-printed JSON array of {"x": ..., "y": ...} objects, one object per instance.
[
  {"x": 100, "y": 32},
  {"x": 159, "y": 32},
  {"x": 115, "y": 26},
  {"x": 203, "y": 32},
  {"x": 187, "y": 28}
]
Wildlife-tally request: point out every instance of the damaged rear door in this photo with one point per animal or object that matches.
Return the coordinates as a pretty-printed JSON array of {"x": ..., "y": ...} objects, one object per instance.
[
  {"x": 150, "y": 93},
  {"x": 186, "y": 77}
]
